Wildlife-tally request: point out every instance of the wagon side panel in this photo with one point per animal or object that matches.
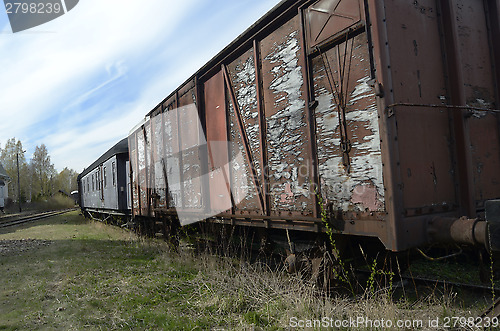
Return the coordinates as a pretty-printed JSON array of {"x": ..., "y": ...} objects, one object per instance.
[
  {"x": 159, "y": 185},
  {"x": 245, "y": 133},
  {"x": 286, "y": 114},
  {"x": 217, "y": 138},
  {"x": 192, "y": 141},
  {"x": 347, "y": 127},
  {"x": 172, "y": 160},
  {"x": 424, "y": 133},
  {"x": 475, "y": 51},
  {"x": 134, "y": 166}
]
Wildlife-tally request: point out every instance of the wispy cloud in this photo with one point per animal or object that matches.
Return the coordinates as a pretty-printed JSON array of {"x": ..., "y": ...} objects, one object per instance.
[{"x": 81, "y": 82}]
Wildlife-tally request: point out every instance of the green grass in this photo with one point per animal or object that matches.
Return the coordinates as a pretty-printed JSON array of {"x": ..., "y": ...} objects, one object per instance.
[{"x": 92, "y": 276}]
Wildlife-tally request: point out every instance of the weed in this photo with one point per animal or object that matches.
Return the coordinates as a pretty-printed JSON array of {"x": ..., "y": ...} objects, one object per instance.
[
  {"x": 374, "y": 272},
  {"x": 343, "y": 275},
  {"x": 492, "y": 278}
]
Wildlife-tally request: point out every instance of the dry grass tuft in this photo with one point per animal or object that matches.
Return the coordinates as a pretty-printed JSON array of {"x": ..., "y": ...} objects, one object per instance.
[{"x": 245, "y": 296}]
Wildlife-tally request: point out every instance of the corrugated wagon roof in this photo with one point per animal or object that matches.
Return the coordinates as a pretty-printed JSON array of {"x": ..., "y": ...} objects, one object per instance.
[{"x": 119, "y": 148}]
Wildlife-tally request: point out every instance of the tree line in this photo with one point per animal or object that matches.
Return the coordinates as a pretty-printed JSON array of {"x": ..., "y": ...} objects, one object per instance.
[{"x": 38, "y": 178}]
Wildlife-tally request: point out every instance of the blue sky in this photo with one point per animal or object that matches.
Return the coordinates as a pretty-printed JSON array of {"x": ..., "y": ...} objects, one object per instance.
[{"x": 79, "y": 83}]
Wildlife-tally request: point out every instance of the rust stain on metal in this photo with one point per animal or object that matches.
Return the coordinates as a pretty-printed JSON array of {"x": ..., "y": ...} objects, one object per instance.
[
  {"x": 479, "y": 91},
  {"x": 132, "y": 142},
  {"x": 367, "y": 196},
  {"x": 243, "y": 77},
  {"x": 241, "y": 173},
  {"x": 328, "y": 17},
  {"x": 173, "y": 162},
  {"x": 362, "y": 188},
  {"x": 423, "y": 135},
  {"x": 286, "y": 121},
  {"x": 191, "y": 140},
  {"x": 217, "y": 135},
  {"x": 242, "y": 82},
  {"x": 159, "y": 179}
]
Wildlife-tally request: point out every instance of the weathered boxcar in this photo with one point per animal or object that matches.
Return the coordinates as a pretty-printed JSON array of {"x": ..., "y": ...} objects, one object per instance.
[
  {"x": 104, "y": 185},
  {"x": 378, "y": 117}
]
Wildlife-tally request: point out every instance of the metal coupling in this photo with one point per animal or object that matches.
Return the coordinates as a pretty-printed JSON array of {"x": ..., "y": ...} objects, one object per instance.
[{"x": 458, "y": 231}]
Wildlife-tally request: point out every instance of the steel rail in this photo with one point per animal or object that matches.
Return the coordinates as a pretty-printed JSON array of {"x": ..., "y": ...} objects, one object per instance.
[
  {"x": 33, "y": 217},
  {"x": 416, "y": 280},
  {"x": 491, "y": 312}
]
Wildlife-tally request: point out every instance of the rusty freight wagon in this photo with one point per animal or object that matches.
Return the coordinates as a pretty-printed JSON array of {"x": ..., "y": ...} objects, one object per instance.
[{"x": 379, "y": 118}]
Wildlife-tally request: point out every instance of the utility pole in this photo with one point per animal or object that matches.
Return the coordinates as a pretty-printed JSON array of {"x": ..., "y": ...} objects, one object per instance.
[{"x": 18, "y": 182}]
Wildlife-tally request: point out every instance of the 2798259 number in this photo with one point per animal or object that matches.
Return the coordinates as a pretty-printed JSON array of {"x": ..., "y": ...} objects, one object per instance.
[{"x": 33, "y": 8}]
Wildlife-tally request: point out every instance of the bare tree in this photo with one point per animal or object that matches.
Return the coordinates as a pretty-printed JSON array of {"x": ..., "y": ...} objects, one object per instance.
[
  {"x": 9, "y": 156},
  {"x": 38, "y": 178},
  {"x": 66, "y": 180},
  {"x": 43, "y": 172}
]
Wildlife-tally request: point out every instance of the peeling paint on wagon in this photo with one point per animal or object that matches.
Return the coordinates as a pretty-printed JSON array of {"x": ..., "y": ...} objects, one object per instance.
[
  {"x": 290, "y": 187},
  {"x": 288, "y": 79},
  {"x": 240, "y": 172},
  {"x": 172, "y": 162},
  {"x": 192, "y": 138},
  {"x": 243, "y": 78},
  {"x": 159, "y": 180},
  {"x": 362, "y": 188},
  {"x": 367, "y": 116},
  {"x": 133, "y": 165}
]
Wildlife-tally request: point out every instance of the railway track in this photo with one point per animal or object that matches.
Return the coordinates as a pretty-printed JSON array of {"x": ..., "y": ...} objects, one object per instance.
[
  {"x": 443, "y": 283},
  {"x": 491, "y": 312},
  {"x": 416, "y": 281},
  {"x": 18, "y": 219}
]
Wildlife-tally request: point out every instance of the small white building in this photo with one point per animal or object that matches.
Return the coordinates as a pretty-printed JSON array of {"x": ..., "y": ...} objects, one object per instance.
[{"x": 4, "y": 186}]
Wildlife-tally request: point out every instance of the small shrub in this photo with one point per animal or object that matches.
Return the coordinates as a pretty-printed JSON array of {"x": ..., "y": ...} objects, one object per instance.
[{"x": 55, "y": 202}]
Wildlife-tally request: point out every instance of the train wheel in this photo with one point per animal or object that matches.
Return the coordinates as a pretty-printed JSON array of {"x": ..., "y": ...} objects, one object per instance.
[
  {"x": 171, "y": 232},
  {"x": 324, "y": 267},
  {"x": 332, "y": 270}
]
